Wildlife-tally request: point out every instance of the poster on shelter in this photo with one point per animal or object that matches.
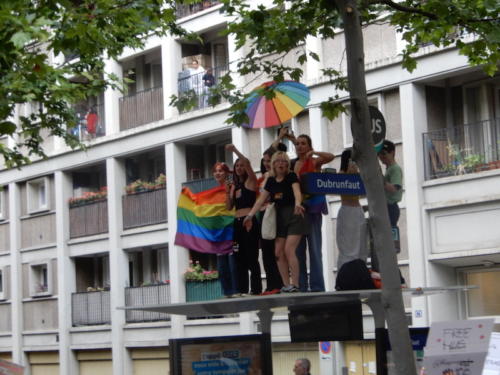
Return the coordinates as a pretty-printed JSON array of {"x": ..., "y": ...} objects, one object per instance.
[
  {"x": 9, "y": 368},
  {"x": 231, "y": 358},
  {"x": 492, "y": 361},
  {"x": 457, "y": 347}
]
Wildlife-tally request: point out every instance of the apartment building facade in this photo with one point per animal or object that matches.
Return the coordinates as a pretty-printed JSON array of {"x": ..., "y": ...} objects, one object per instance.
[{"x": 80, "y": 238}]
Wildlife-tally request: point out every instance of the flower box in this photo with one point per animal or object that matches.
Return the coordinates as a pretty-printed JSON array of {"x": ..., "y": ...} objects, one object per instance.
[{"x": 203, "y": 290}]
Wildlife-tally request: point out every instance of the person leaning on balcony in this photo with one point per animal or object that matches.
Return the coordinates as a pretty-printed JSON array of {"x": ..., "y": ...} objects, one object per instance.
[
  {"x": 242, "y": 196},
  {"x": 308, "y": 160},
  {"x": 208, "y": 81},
  {"x": 196, "y": 74},
  {"x": 226, "y": 263}
]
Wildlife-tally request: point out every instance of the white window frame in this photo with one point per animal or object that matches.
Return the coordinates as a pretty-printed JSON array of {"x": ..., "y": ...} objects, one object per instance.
[
  {"x": 377, "y": 100},
  {"x": 464, "y": 303},
  {"x": 33, "y": 189},
  {"x": 36, "y": 279},
  {"x": 3, "y": 286},
  {"x": 3, "y": 214}
]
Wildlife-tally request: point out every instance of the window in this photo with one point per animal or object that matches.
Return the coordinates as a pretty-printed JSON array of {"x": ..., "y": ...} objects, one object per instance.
[
  {"x": 40, "y": 279},
  {"x": 38, "y": 195},
  {"x": 376, "y": 101},
  {"x": 484, "y": 301},
  {"x": 2, "y": 285}
]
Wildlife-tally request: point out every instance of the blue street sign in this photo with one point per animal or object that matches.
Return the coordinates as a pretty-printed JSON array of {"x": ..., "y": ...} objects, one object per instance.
[{"x": 333, "y": 183}]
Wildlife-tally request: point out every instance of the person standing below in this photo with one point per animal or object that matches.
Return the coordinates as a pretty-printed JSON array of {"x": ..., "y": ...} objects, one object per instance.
[
  {"x": 393, "y": 183},
  {"x": 302, "y": 367},
  {"x": 242, "y": 196},
  {"x": 226, "y": 263},
  {"x": 283, "y": 187},
  {"x": 309, "y": 161}
]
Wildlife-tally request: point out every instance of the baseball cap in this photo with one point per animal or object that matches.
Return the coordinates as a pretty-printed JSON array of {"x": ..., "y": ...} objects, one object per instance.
[{"x": 387, "y": 146}]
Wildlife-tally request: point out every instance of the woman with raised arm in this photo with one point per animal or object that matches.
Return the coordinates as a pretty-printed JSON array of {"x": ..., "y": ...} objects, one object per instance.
[
  {"x": 308, "y": 160},
  {"x": 226, "y": 263},
  {"x": 242, "y": 195},
  {"x": 283, "y": 188}
]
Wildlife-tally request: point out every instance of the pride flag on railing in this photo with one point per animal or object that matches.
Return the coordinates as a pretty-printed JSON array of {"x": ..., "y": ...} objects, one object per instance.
[{"x": 203, "y": 222}]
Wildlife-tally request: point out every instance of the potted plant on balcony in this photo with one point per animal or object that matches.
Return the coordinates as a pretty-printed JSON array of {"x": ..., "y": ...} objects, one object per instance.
[
  {"x": 139, "y": 185},
  {"x": 201, "y": 284},
  {"x": 89, "y": 197}
]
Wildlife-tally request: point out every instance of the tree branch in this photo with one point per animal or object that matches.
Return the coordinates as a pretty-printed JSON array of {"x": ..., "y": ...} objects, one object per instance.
[{"x": 402, "y": 8}]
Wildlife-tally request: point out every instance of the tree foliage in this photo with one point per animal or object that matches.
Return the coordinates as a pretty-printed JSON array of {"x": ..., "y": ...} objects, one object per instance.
[
  {"x": 35, "y": 34},
  {"x": 471, "y": 26}
]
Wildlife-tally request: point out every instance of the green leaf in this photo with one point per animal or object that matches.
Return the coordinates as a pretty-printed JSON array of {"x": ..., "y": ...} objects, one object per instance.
[
  {"x": 20, "y": 39},
  {"x": 7, "y": 128}
]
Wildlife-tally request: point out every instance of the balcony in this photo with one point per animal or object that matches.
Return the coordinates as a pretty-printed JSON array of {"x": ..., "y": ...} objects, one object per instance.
[
  {"x": 184, "y": 10},
  {"x": 195, "y": 89},
  {"x": 91, "y": 122},
  {"x": 144, "y": 208},
  {"x": 141, "y": 108},
  {"x": 90, "y": 308},
  {"x": 462, "y": 149},
  {"x": 200, "y": 185},
  {"x": 87, "y": 219},
  {"x": 146, "y": 295}
]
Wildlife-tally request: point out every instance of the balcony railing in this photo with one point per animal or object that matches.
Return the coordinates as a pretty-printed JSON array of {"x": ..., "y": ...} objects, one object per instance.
[
  {"x": 141, "y": 108},
  {"x": 200, "y": 185},
  {"x": 144, "y": 208},
  {"x": 146, "y": 295},
  {"x": 462, "y": 149},
  {"x": 197, "y": 87},
  {"x": 184, "y": 10},
  {"x": 91, "y": 122},
  {"x": 88, "y": 219},
  {"x": 90, "y": 308}
]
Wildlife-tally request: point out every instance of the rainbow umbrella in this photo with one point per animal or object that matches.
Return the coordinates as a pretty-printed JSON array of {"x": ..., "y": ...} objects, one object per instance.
[{"x": 290, "y": 97}]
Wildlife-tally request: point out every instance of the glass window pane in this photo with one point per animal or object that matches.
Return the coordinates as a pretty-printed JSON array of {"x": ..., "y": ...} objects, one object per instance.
[{"x": 484, "y": 301}]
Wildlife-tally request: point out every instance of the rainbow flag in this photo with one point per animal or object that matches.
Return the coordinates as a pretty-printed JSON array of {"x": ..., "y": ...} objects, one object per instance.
[{"x": 203, "y": 222}]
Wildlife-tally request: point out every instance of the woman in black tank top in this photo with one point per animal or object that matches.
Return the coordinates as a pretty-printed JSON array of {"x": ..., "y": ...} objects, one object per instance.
[{"x": 242, "y": 196}]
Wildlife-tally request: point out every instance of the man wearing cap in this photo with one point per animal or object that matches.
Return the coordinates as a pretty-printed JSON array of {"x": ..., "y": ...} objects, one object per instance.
[{"x": 393, "y": 180}]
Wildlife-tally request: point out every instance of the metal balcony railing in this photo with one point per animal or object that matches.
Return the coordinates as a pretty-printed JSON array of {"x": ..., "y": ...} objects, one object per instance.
[
  {"x": 462, "y": 149},
  {"x": 184, "y": 10},
  {"x": 146, "y": 295},
  {"x": 141, "y": 108},
  {"x": 198, "y": 86},
  {"x": 88, "y": 219},
  {"x": 200, "y": 185},
  {"x": 144, "y": 208},
  {"x": 90, "y": 308}
]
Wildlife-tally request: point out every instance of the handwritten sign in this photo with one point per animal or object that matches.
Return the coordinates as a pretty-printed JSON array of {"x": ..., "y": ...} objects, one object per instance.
[
  {"x": 457, "y": 347},
  {"x": 492, "y": 362}
]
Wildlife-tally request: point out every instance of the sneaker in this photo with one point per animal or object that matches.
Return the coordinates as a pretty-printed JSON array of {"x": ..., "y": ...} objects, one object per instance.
[
  {"x": 289, "y": 289},
  {"x": 272, "y": 291}
]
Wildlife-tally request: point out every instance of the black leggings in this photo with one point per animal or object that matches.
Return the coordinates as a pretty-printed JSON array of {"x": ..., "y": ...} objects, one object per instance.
[{"x": 247, "y": 256}]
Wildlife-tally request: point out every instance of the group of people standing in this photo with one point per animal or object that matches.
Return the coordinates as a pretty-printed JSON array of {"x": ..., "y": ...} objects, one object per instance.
[{"x": 298, "y": 220}]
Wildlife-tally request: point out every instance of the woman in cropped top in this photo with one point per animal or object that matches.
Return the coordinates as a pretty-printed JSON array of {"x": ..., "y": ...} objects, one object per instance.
[
  {"x": 351, "y": 222},
  {"x": 283, "y": 187},
  {"x": 242, "y": 196}
]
